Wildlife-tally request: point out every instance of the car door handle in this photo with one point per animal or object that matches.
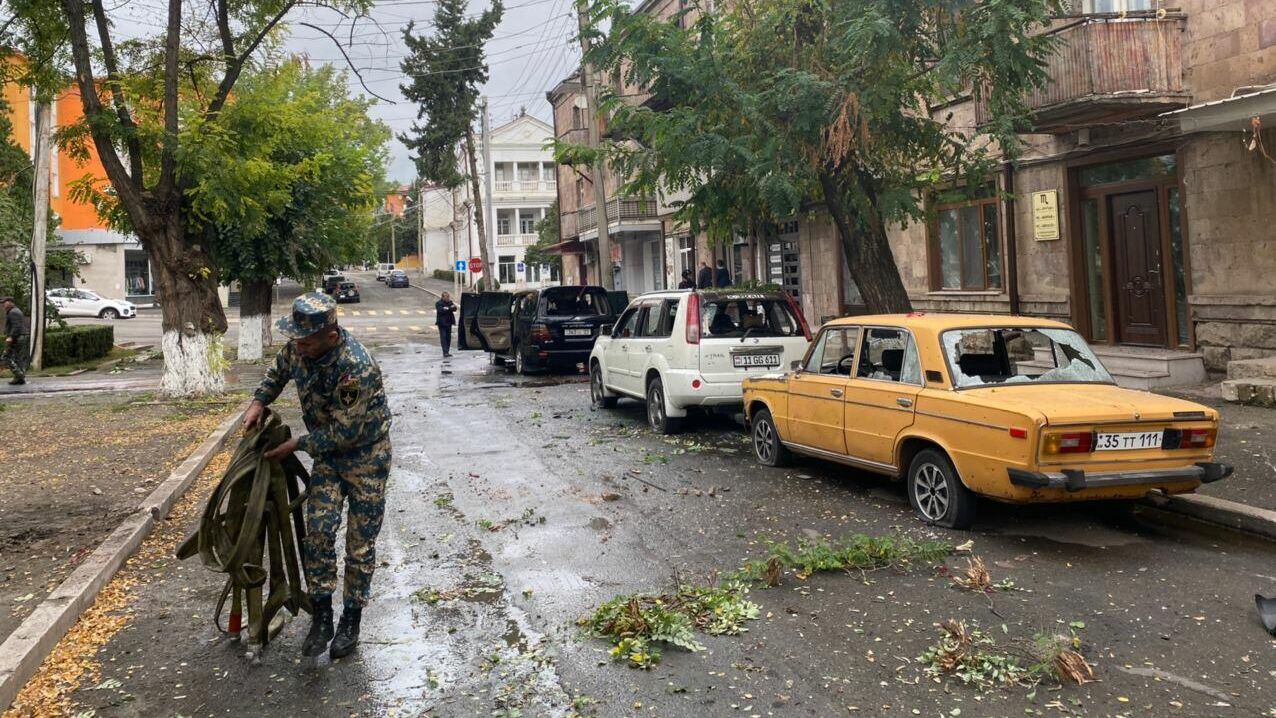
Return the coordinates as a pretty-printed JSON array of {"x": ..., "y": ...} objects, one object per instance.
[
  {"x": 647, "y": 348},
  {"x": 904, "y": 402},
  {"x": 836, "y": 392}
]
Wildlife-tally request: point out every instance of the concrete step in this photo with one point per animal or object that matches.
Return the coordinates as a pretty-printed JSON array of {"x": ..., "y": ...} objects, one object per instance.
[
  {"x": 1140, "y": 367},
  {"x": 1252, "y": 368},
  {"x": 1128, "y": 378},
  {"x": 1257, "y": 391}
]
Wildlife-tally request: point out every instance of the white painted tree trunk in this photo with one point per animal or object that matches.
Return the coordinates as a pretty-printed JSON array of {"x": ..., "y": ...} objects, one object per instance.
[
  {"x": 252, "y": 336},
  {"x": 189, "y": 367}
]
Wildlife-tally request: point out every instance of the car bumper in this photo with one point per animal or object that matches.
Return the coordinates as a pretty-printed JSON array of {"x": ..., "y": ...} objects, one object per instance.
[
  {"x": 679, "y": 387},
  {"x": 1074, "y": 480},
  {"x": 545, "y": 357}
]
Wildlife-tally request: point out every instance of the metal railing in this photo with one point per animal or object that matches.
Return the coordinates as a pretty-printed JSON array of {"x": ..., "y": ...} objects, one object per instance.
[
  {"x": 618, "y": 210},
  {"x": 537, "y": 186}
]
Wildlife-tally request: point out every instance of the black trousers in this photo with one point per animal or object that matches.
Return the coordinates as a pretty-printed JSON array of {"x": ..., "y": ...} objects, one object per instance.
[{"x": 445, "y": 338}]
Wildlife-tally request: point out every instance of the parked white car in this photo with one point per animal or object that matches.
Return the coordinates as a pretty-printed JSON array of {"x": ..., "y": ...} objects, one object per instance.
[
  {"x": 681, "y": 349},
  {"x": 383, "y": 271},
  {"x": 87, "y": 303}
]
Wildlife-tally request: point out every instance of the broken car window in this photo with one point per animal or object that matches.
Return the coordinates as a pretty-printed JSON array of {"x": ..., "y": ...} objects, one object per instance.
[
  {"x": 736, "y": 317},
  {"x": 1010, "y": 355}
]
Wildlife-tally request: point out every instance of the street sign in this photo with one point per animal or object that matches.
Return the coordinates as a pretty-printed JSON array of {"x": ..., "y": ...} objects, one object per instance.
[
  {"x": 460, "y": 265},
  {"x": 476, "y": 265},
  {"x": 521, "y": 267}
]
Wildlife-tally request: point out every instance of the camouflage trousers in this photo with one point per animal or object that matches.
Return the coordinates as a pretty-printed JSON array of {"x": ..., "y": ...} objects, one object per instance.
[
  {"x": 16, "y": 359},
  {"x": 360, "y": 480}
]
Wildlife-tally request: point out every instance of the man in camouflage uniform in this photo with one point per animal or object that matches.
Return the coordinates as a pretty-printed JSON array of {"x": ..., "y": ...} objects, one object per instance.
[
  {"x": 16, "y": 336},
  {"x": 345, "y": 410}
]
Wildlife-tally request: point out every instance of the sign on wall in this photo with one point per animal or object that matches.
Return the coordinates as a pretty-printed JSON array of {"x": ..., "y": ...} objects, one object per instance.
[{"x": 1045, "y": 214}]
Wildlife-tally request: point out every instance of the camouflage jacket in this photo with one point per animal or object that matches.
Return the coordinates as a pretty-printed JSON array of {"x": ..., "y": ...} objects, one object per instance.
[{"x": 342, "y": 399}]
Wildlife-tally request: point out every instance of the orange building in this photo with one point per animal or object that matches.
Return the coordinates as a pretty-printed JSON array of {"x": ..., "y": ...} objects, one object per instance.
[{"x": 113, "y": 263}]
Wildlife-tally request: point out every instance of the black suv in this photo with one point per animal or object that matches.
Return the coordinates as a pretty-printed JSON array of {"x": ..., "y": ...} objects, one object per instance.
[{"x": 546, "y": 328}]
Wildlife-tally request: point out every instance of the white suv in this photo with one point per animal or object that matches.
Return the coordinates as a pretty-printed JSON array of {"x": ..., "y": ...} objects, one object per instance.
[{"x": 683, "y": 348}]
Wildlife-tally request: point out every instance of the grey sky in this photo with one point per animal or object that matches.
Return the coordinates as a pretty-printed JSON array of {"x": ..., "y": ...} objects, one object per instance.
[{"x": 533, "y": 48}]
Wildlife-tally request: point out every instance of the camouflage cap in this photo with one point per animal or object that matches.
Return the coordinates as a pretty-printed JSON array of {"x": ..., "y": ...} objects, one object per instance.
[{"x": 310, "y": 313}]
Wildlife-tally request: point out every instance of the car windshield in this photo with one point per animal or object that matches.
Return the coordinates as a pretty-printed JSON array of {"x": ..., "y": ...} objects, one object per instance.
[
  {"x": 751, "y": 315},
  {"x": 1021, "y": 355},
  {"x": 575, "y": 302}
]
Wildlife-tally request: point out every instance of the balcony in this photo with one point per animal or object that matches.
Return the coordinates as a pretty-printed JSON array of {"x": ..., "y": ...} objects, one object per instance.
[
  {"x": 619, "y": 211},
  {"x": 525, "y": 186},
  {"x": 516, "y": 240},
  {"x": 1108, "y": 69}
]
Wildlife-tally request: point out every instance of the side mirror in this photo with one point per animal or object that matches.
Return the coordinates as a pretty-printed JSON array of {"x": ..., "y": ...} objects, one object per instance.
[
  {"x": 795, "y": 365},
  {"x": 605, "y": 330}
]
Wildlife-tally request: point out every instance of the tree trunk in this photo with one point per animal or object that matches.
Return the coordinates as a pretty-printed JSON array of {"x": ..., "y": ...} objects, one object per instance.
[
  {"x": 489, "y": 282},
  {"x": 192, "y": 318},
  {"x": 866, "y": 247},
  {"x": 254, "y": 318}
]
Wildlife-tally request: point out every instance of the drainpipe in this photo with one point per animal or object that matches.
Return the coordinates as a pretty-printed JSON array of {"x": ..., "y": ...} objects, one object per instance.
[{"x": 1012, "y": 252}]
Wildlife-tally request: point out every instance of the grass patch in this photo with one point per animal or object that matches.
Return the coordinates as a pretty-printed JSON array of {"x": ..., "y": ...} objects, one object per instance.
[
  {"x": 117, "y": 355},
  {"x": 857, "y": 552},
  {"x": 974, "y": 658}
]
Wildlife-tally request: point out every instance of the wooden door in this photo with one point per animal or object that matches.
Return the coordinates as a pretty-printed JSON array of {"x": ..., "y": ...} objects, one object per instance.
[{"x": 1137, "y": 281}]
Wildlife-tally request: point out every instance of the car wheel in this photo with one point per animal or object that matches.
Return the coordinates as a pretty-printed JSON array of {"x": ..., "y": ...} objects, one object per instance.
[
  {"x": 520, "y": 362},
  {"x": 110, "y": 313},
  {"x": 937, "y": 493},
  {"x": 657, "y": 411},
  {"x": 766, "y": 441},
  {"x": 598, "y": 392}
]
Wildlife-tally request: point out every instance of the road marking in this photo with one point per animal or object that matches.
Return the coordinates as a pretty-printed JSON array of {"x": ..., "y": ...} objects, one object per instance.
[
  {"x": 355, "y": 313},
  {"x": 393, "y": 329},
  {"x": 341, "y": 312},
  {"x": 415, "y": 328},
  {"x": 404, "y": 311},
  {"x": 372, "y": 312},
  {"x": 420, "y": 311},
  {"x": 371, "y": 328}
]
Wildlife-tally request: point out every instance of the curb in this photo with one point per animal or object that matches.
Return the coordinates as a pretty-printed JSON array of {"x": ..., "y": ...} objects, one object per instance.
[
  {"x": 26, "y": 648},
  {"x": 427, "y": 291},
  {"x": 1222, "y": 512}
]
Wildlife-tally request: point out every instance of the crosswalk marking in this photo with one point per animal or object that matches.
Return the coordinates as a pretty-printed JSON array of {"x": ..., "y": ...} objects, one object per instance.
[
  {"x": 393, "y": 329},
  {"x": 372, "y": 312},
  {"x": 415, "y": 328},
  {"x": 403, "y": 311},
  {"x": 421, "y": 311},
  {"x": 341, "y": 312},
  {"x": 355, "y": 313}
]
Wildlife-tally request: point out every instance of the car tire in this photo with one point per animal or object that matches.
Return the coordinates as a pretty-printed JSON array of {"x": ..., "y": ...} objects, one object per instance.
[
  {"x": 597, "y": 391},
  {"x": 110, "y": 313},
  {"x": 657, "y": 411},
  {"x": 767, "y": 446},
  {"x": 520, "y": 362},
  {"x": 937, "y": 493}
]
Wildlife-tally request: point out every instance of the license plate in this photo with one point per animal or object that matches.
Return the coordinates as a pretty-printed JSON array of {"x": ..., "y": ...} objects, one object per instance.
[
  {"x": 578, "y": 332},
  {"x": 748, "y": 360},
  {"x": 1128, "y": 441}
]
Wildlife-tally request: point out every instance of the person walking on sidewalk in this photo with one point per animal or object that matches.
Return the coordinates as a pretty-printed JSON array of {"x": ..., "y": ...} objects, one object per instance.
[
  {"x": 16, "y": 338},
  {"x": 344, "y": 406},
  {"x": 445, "y": 318}
]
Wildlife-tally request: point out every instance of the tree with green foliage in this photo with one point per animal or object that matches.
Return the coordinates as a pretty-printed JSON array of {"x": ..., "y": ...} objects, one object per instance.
[
  {"x": 445, "y": 71},
  {"x": 137, "y": 94},
  {"x": 764, "y": 109},
  {"x": 547, "y": 235},
  {"x": 287, "y": 179}
]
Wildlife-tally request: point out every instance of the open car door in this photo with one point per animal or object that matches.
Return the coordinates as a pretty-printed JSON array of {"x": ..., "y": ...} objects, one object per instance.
[
  {"x": 467, "y": 336},
  {"x": 618, "y": 300},
  {"x": 495, "y": 320}
]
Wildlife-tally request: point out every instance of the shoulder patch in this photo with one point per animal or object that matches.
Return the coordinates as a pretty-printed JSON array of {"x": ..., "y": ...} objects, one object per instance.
[{"x": 348, "y": 390}]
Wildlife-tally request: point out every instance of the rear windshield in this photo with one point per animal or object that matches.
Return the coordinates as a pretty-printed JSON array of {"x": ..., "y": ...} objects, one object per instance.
[
  {"x": 1009, "y": 355},
  {"x": 725, "y": 317},
  {"x": 347, "y": 285},
  {"x": 575, "y": 302}
]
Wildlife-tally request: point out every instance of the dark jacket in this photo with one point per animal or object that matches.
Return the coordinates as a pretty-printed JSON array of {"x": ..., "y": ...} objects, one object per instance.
[
  {"x": 704, "y": 280},
  {"x": 445, "y": 313},
  {"x": 687, "y": 284},
  {"x": 15, "y": 323},
  {"x": 722, "y": 278}
]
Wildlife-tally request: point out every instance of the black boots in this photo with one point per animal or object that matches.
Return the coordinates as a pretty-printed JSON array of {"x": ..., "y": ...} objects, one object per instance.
[
  {"x": 320, "y": 626},
  {"x": 347, "y": 632},
  {"x": 17, "y": 380}
]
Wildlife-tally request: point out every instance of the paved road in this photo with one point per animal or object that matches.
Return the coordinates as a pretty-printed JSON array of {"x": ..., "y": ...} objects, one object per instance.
[
  {"x": 383, "y": 314},
  {"x": 594, "y": 505}
]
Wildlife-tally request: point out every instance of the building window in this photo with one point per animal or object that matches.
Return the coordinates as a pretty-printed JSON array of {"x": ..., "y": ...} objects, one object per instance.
[
  {"x": 502, "y": 223},
  {"x": 527, "y": 221},
  {"x": 527, "y": 173},
  {"x": 965, "y": 246},
  {"x": 783, "y": 259},
  {"x": 578, "y": 118},
  {"x": 506, "y": 269},
  {"x": 137, "y": 274},
  {"x": 503, "y": 173},
  {"x": 686, "y": 256},
  {"x": 580, "y": 192},
  {"x": 547, "y": 172}
]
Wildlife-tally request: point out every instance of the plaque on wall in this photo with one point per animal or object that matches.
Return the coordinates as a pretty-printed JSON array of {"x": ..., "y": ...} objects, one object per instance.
[{"x": 1045, "y": 215}]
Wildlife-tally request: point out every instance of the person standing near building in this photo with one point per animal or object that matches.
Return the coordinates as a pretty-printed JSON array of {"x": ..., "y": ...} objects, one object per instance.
[
  {"x": 704, "y": 280},
  {"x": 445, "y": 319},
  {"x": 345, "y": 410},
  {"x": 722, "y": 278},
  {"x": 687, "y": 281},
  {"x": 16, "y": 338}
]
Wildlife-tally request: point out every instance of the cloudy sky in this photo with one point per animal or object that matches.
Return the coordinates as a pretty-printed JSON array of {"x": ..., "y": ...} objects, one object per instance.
[{"x": 532, "y": 49}]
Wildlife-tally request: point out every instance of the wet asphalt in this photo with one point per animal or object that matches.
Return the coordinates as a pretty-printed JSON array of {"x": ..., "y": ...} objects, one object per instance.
[{"x": 524, "y": 509}]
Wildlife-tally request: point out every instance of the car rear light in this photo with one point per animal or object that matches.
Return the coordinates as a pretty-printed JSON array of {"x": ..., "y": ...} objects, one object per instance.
[
  {"x": 797, "y": 311},
  {"x": 693, "y": 318},
  {"x": 1018, "y": 432},
  {"x": 695, "y": 383},
  {"x": 1074, "y": 442},
  {"x": 1198, "y": 438},
  {"x": 540, "y": 333}
]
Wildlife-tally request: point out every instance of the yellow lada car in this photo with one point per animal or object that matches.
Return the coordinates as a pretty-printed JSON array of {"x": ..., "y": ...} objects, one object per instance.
[{"x": 1014, "y": 409}]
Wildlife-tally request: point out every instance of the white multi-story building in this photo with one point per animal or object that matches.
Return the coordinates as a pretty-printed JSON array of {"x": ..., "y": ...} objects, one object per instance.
[{"x": 522, "y": 189}]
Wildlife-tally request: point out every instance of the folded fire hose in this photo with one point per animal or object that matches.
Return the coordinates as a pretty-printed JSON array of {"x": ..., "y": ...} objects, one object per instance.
[{"x": 256, "y": 512}]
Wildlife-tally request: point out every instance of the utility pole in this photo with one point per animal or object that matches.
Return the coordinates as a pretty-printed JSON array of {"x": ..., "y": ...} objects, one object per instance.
[
  {"x": 489, "y": 209},
  {"x": 40, "y": 230},
  {"x": 605, "y": 275},
  {"x": 392, "y": 247},
  {"x": 420, "y": 227}
]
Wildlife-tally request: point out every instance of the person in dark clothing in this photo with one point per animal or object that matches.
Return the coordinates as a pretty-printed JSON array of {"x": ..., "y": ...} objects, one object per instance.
[
  {"x": 704, "y": 280},
  {"x": 16, "y": 337},
  {"x": 445, "y": 318},
  {"x": 722, "y": 278},
  {"x": 687, "y": 281}
]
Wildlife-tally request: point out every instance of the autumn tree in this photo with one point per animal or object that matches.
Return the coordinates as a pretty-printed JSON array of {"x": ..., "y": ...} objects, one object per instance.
[
  {"x": 444, "y": 71},
  {"x": 761, "y": 109},
  {"x": 136, "y": 99}
]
